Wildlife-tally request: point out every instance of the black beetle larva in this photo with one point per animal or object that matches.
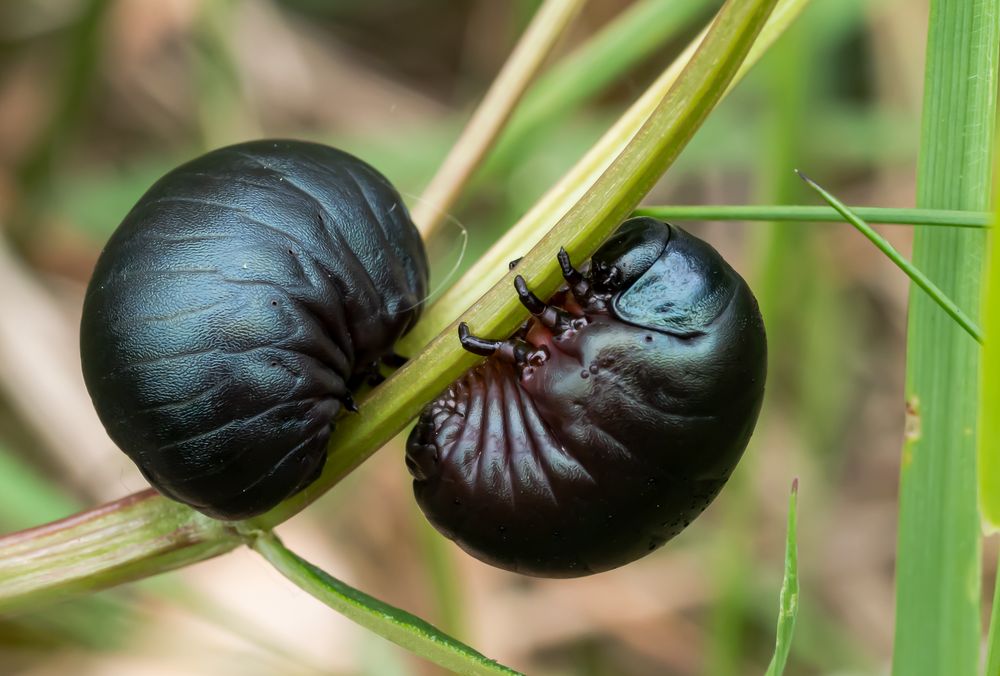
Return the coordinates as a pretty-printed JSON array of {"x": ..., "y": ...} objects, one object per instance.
[
  {"x": 234, "y": 310},
  {"x": 603, "y": 427}
]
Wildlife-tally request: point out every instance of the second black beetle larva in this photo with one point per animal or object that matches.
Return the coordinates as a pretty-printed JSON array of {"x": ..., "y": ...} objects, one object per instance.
[
  {"x": 234, "y": 310},
  {"x": 605, "y": 426}
]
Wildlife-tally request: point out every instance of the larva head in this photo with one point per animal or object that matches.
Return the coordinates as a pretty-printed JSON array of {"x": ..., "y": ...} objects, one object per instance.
[{"x": 667, "y": 280}]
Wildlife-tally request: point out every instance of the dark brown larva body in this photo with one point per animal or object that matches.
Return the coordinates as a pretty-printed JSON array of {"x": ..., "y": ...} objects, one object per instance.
[{"x": 600, "y": 431}]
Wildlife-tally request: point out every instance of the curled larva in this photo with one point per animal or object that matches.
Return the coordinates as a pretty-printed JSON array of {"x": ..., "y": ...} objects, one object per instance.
[
  {"x": 609, "y": 421},
  {"x": 234, "y": 311}
]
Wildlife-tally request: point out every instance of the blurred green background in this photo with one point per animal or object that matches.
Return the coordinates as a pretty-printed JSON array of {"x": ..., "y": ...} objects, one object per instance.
[{"x": 100, "y": 97}]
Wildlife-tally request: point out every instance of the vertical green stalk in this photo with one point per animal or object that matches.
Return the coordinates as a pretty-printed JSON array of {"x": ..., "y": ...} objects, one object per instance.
[{"x": 938, "y": 572}]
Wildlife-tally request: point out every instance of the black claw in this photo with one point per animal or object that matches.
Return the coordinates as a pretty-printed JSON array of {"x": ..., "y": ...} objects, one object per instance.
[
  {"x": 549, "y": 315},
  {"x": 574, "y": 278},
  {"x": 515, "y": 350},
  {"x": 513, "y": 263},
  {"x": 534, "y": 304},
  {"x": 476, "y": 345},
  {"x": 571, "y": 274},
  {"x": 348, "y": 401}
]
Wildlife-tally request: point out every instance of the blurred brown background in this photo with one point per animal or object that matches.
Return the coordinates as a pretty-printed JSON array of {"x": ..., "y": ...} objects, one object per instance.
[{"x": 100, "y": 97}]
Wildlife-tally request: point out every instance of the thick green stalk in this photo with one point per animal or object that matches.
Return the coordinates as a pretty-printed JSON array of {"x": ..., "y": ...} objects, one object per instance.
[{"x": 938, "y": 558}]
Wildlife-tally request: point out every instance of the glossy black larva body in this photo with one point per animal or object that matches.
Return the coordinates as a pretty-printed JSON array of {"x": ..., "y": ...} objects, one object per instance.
[
  {"x": 606, "y": 425},
  {"x": 235, "y": 309}
]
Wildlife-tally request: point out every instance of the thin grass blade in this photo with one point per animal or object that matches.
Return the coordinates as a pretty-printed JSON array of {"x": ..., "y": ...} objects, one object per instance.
[
  {"x": 488, "y": 120},
  {"x": 914, "y": 273},
  {"x": 788, "y": 604},
  {"x": 813, "y": 214},
  {"x": 396, "y": 625}
]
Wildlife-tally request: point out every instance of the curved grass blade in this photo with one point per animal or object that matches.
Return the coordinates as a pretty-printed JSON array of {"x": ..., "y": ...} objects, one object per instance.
[
  {"x": 493, "y": 111},
  {"x": 914, "y": 273},
  {"x": 788, "y": 605},
  {"x": 796, "y": 213},
  {"x": 402, "y": 628}
]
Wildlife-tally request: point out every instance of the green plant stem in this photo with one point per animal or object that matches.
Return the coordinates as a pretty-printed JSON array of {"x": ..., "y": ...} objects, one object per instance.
[
  {"x": 788, "y": 604},
  {"x": 988, "y": 451},
  {"x": 165, "y": 535},
  {"x": 128, "y": 539},
  {"x": 393, "y": 624},
  {"x": 488, "y": 120},
  {"x": 914, "y": 273},
  {"x": 938, "y": 569},
  {"x": 811, "y": 214}
]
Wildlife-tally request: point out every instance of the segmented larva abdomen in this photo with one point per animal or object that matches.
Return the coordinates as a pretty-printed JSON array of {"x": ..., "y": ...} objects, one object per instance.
[
  {"x": 603, "y": 429},
  {"x": 233, "y": 310}
]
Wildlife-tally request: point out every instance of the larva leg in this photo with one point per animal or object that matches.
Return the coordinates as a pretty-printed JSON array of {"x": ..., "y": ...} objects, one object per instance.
[
  {"x": 574, "y": 278},
  {"x": 549, "y": 315},
  {"x": 514, "y": 350},
  {"x": 590, "y": 296}
]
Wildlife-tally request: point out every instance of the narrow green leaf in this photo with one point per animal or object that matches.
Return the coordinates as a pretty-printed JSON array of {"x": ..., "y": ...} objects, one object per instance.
[
  {"x": 939, "y": 553},
  {"x": 918, "y": 277},
  {"x": 806, "y": 214},
  {"x": 402, "y": 628},
  {"x": 989, "y": 397},
  {"x": 788, "y": 605},
  {"x": 988, "y": 465}
]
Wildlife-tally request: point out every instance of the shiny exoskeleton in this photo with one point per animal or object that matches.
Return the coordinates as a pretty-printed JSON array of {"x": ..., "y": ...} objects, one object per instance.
[
  {"x": 235, "y": 309},
  {"x": 609, "y": 422}
]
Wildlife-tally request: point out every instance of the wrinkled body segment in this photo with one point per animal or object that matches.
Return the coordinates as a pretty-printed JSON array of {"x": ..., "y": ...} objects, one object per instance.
[
  {"x": 234, "y": 309},
  {"x": 603, "y": 428}
]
